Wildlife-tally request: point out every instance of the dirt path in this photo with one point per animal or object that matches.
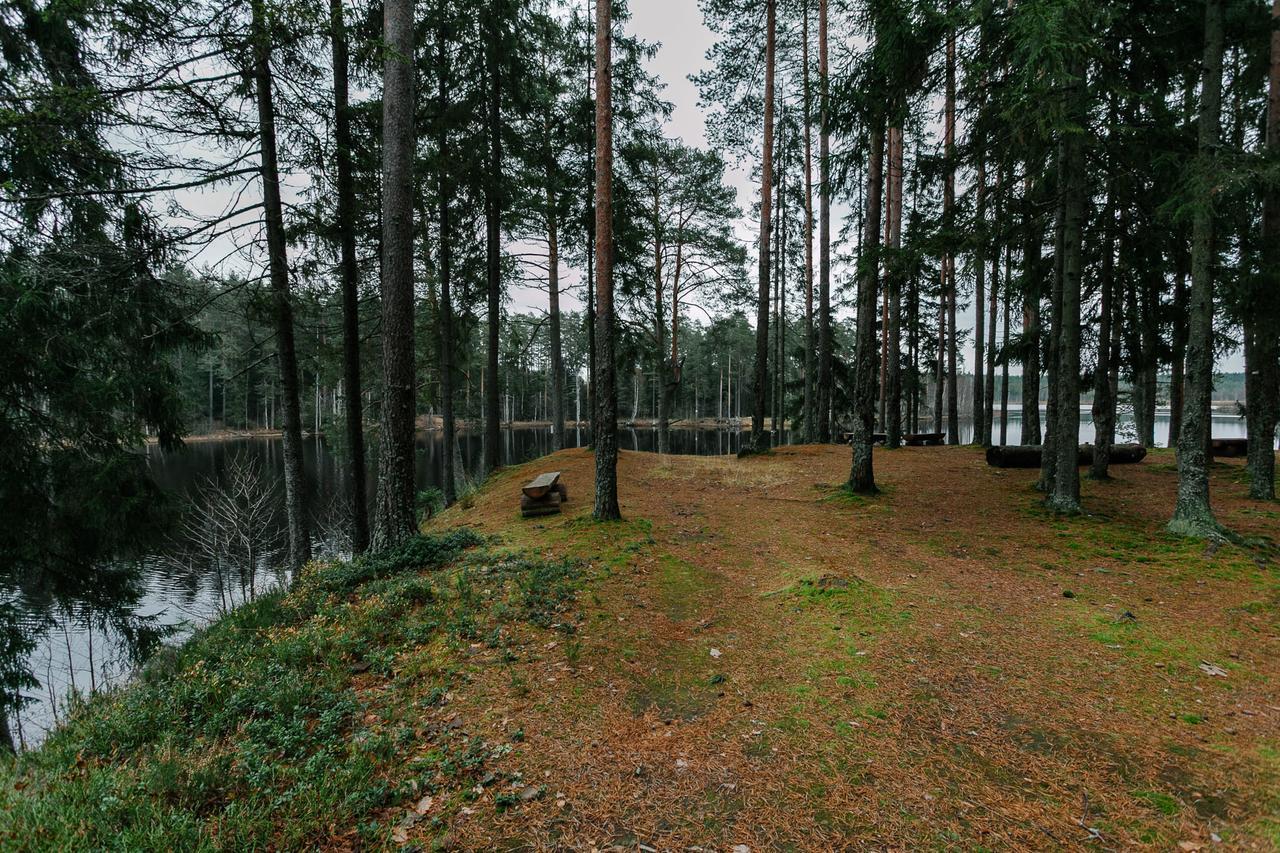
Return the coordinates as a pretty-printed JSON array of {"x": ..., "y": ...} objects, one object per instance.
[{"x": 762, "y": 660}]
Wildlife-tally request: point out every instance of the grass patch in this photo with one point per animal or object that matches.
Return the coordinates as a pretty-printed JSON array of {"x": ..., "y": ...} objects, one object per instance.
[{"x": 289, "y": 718}]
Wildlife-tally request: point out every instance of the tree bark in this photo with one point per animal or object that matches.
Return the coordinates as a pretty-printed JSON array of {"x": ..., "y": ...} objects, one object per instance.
[
  {"x": 282, "y": 308},
  {"x": 346, "y": 203},
  {"x": 605, "y": 425},
  {"x": 1192, "y": 515},
  {"x": 553, "y": 311},
  {"x": 1104, "y": 405},
  {"x": 825, "y": 342},
  {"x": 1065, "y": 497},
  {"x": 894, "y": 278},
  {"x": 988, "y": 414},
  {"x": 760, "y": 441},
  {"x": 1262, "y": 356},
  {"x": 810, "y": 360},
  {"x": 948, "y": 260},
  {"x": 447, "y": 423},
  {"x": 1033, "y": 239},
  {"x": 861, "y": 471},
  {"x": 979, "y": 306},
  {"x": 493, "y": 246},
  {"x": 395, "y": 518}
]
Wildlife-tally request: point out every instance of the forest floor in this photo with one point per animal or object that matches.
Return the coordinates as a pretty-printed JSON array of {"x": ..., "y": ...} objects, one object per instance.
[
  {"x": 752, "y": 660},
  {"x": 765, "y": 660}
]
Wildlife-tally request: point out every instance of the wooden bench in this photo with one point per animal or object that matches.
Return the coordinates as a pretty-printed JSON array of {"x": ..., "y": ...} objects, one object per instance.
[
  {"x": 543, "y": 495},
  {"x": 1229, "y": 447},
  {"x": 914, "y": 439}
]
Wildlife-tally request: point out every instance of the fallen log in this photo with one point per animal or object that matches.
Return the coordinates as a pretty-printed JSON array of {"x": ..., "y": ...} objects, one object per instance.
[
  {"x": 924, "y": 439},
  {"x": 1029, "y": 455}
]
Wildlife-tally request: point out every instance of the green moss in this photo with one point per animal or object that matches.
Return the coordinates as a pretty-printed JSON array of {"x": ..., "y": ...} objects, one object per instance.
[
  {"x": 1159, "y": 801},
  {"x": 254, "y": 735}
]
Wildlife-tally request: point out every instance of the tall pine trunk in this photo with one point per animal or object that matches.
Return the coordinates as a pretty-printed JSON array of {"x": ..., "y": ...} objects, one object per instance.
[
  {"x": 759, "y": 441},
  {"x": 948, "y": 259},
  {"x": 346, "y": 203},
  {"x": 1262, "y": 356},
  {"x": 448, "y": 427},
  {"x": 282, "y": 308},
  {"x": 861, "y": 471},
  {"x": 553, "y": 311},
  {"x": 394, "y": 519},
  {"x": 988, "y": 415},
  {"x": 1033, "y": 241},
  {"x": 979, "y": 306},
  {"x": 810, "y": 336},
  {"x": 1065, "y": 497},
  {"x": 1192, "y": 515},
  {"x": 1104, "y": 405},
  {"x": 894, "y": 279},
  {"x": 825, "y": 342},
  {"x": 605, "y": 412},
  {"x": 493, "y": 245}
]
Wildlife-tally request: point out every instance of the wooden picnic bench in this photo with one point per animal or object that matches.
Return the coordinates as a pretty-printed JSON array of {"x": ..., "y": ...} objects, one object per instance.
[
  {"x": 1229, "y": 447},
  {"x": 911, "y": 439},
  {"x": 543, "y": 495}
]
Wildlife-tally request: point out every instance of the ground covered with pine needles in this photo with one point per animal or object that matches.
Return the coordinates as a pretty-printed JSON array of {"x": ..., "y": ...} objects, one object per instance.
[{"x": 753, "y": 657}]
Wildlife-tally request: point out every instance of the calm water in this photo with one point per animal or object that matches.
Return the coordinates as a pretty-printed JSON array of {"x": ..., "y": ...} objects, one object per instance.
[{"x": 182, "y": 590}]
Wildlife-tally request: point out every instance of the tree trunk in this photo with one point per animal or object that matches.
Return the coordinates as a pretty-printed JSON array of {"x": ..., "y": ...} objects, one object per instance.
[
  {"x": 448, "y": 443},
  {"x": 1104, "y": 405},
  {"x": 1033, "y": 240},
  {"x": 948, "y": 259},
  {"x": 346, "y": 203},
  {"x": 282, "y": 308},
  {"x": 1262, "y": 356},
  {"x": 1049, "y": 464},
  {"x": 810, "y": 361},
  {"x": 760, "y": 441},
  {"x": 1178, "y": 372},
  {"x": 1004, "y": 346},
  {"x": 605, "y": 425},
  {"x": 1192, "y": 515},
  {"x": 395, "y": 518},
  {"x": 1065, "y": 497},
  {"x": 979, "y": 306},
  {"x": 493, "y": 246},
  {"x": 553, "y": 294},
  {"x": 825, "y": 342},
  {"x": 861, "y": 471},
  {"x": 988, "y": 414},
  {"x": 894, "y": 330}
]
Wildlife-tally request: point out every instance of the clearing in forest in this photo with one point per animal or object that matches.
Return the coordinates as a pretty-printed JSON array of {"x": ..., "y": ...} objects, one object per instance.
[{"x": 753, "y": 659}]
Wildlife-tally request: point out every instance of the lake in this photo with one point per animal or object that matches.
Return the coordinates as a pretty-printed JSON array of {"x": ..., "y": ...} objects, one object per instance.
[{"x": 181, "y": 590}]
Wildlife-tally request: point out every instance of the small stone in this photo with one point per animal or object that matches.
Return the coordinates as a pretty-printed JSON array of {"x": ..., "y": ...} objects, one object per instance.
[{"x": 530, "y": 794}]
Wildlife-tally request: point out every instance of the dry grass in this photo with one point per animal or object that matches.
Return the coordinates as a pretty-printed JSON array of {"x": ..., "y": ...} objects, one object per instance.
[{"x": 945, "y": 666}]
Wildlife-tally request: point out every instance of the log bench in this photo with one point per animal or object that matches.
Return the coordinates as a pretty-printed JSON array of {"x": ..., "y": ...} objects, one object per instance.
[
  {"x": 1029, "y": 455},
  {"x": 1229, "y": 447},
  {"x": 543, "y": 495},
  {"x": 911, "y": 439}
]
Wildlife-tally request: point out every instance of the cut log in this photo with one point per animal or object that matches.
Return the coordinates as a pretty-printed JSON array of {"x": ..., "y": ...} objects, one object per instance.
[
  {"x": 1028, "y": 455},
  {"x": 1229, "y": 446},
  {"x": 541, "y": 484},
  {"x": 564, "y": 492},
  {"x": 548, "y": 504}
]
